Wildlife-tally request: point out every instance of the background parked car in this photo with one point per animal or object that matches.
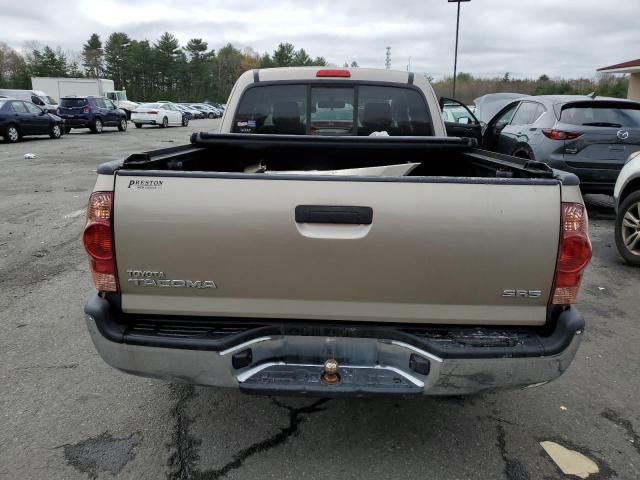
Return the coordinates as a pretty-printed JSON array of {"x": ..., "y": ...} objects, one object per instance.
[
  {"x": 90, "y": 112},
  {"x": 217, "y": 112},
  {"x": 627, "y": 203},
  {"x": 194, "y": 112},
  {"x": 590, "y": 137},
  {"x": 163, "y": 114},
  {"x": 185, "y": 111},
  {"x": 36, "y": 97},
  {"x": 207, "y": 112},
  {"x": 19, "y": 118}
]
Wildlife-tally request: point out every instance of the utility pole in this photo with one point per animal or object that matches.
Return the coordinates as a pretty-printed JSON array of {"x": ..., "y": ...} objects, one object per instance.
[
  {"x": 455, "y": 60},
  {"x": 387, "y": 62}
]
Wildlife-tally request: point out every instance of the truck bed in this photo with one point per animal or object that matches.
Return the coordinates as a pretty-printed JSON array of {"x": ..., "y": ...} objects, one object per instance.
[{"x": 437, "y": 156}]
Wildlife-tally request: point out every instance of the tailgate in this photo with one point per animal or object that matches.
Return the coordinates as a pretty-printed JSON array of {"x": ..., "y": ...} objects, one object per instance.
[
  {"x": 602, "y": 148},
  {"x": 394, "y": 251}
]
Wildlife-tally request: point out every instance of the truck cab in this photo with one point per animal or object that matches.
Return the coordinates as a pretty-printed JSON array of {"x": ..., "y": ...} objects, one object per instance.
[{"x": 119, "y": 98}]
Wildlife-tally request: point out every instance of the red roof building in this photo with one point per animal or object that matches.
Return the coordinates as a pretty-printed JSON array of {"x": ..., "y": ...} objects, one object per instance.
[{"x": 631, "y": 67}]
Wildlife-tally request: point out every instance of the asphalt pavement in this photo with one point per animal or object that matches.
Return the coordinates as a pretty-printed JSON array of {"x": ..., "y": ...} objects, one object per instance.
[{"x": 67, "y": 415}]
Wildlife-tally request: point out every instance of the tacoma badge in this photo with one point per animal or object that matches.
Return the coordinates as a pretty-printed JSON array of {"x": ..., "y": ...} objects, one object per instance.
[{"x": 148, "y": 278}]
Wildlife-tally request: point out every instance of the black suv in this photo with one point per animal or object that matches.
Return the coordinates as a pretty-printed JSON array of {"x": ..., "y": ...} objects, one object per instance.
[{"x": 93, "y": 113}]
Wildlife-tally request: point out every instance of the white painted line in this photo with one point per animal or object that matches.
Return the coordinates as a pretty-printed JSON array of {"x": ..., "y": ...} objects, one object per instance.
[{"x": 75, "y": 214}]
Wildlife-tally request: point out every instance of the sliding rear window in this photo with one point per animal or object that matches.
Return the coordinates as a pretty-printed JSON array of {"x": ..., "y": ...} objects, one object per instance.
[
  {"x": 602, "y": 115},
  {"x": 299, "y": 109}
]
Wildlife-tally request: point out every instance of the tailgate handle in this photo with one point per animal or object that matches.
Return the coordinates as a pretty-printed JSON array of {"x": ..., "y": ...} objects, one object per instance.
[{"x": 334, "y": 214}]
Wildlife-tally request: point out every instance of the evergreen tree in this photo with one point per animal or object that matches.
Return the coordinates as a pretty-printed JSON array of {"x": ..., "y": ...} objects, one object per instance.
[
  {"x": 283, "y": 55},
  {"x": 117, "y": 59},
  {"x": 93, "y": 56}
]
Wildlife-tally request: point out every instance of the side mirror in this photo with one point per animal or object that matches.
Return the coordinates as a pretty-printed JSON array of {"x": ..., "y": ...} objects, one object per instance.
[{"x": 464, "y": 120}]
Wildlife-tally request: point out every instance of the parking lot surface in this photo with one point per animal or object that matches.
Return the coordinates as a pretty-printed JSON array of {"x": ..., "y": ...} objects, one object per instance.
[{"x": 66, "y": 414}]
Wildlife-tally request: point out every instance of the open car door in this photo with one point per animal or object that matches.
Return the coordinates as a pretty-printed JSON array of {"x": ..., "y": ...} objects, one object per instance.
[{"x": 459, "y": 121}]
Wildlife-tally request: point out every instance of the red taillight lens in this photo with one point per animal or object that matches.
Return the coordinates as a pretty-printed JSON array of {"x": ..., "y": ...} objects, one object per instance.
[
  {"x": 559, "y": 134},
  {"x": 98, "y": 241},
  {"x": 574, "y": 254},
  {"x": 152, "y": 112},
  {"x": 335, "y": 72}
]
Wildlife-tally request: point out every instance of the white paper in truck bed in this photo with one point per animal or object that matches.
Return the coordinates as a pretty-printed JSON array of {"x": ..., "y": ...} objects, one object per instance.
[{"x": 399, "y": 170}]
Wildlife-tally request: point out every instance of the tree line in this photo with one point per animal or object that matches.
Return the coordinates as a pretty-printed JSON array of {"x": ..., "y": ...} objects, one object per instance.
[
  {"x": 149, "y": 71},
  {"x": 469, "y": 87},
  {"x": 194, "y": 72}
]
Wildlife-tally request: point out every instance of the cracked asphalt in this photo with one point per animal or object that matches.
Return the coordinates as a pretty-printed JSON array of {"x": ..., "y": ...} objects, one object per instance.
[{"x": 66, "y": 414}]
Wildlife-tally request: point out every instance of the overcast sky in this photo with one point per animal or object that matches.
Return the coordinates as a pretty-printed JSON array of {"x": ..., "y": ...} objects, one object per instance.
[{"x": 568, "y": 38}]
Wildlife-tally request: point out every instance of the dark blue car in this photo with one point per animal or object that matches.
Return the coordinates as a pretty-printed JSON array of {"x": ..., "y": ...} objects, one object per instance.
[
  {"x": 19, "y": 118},
  {"x": 93, "y": 113}
]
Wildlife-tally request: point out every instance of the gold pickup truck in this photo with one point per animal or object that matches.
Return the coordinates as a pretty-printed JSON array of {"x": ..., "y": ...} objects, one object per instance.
[{"x": 332, "y": 240}]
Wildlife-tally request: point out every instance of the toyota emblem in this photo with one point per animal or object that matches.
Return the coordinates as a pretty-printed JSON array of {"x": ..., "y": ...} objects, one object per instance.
[{"x": 623, "y": 134}]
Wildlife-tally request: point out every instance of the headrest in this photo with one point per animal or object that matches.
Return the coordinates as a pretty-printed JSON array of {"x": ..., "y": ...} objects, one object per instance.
[
  {"x": 377, "y": 115},
  {"x": 286, "y": 112}
]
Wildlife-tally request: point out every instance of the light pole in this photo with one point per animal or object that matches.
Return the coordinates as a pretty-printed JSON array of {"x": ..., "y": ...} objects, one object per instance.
[{"x": 455, "y": 60}]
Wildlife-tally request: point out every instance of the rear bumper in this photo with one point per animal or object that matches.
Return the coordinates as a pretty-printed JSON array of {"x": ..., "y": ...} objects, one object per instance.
[
  {"x": 145, "y": 120},
  {"x": 279, "y": 358},
  {"x": 77, "y": 122},
  {"x": 592, "y": 180}
]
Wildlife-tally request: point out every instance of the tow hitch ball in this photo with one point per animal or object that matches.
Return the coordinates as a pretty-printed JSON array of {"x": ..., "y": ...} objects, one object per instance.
[{"x": 330, "y": 375}]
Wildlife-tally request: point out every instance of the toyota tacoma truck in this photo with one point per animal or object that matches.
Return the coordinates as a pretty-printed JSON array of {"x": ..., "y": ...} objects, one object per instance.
[{"x": 330, "y": 240}]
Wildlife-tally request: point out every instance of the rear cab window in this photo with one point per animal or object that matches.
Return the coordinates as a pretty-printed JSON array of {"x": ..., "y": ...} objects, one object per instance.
[
  {"x": 320, "y": 109},
  {"x": 602, "y": 114}
]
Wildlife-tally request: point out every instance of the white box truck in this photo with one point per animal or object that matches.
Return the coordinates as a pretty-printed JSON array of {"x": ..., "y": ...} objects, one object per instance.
[{"x": 59, "y": 87}]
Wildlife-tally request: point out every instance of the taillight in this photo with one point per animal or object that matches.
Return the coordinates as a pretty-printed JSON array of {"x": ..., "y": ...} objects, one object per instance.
[
  {"x": 98, "y": 241},
  {"x": 153, "y": 112},
  {"x": 333, "y": 72},
  {"x": 86, "y": 109},
  {"x": 559, "y": 134},
  {"x": 573, "y": 255}
]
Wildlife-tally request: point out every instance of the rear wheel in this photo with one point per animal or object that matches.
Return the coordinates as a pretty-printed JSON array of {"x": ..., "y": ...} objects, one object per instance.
[
  {"x": 122, "y": 126},
  {"x": 165, "y": 123},
  {"x": 12, "y": 134},
  {"x": 627, "y": 231},
  {"x": 138, "y": 125},
  {"x": 97, "y": 126},
  {"x": 210, "y": 115},
  {"x": 56, "y": 131},
  {"x": 185, "y": 121}
]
